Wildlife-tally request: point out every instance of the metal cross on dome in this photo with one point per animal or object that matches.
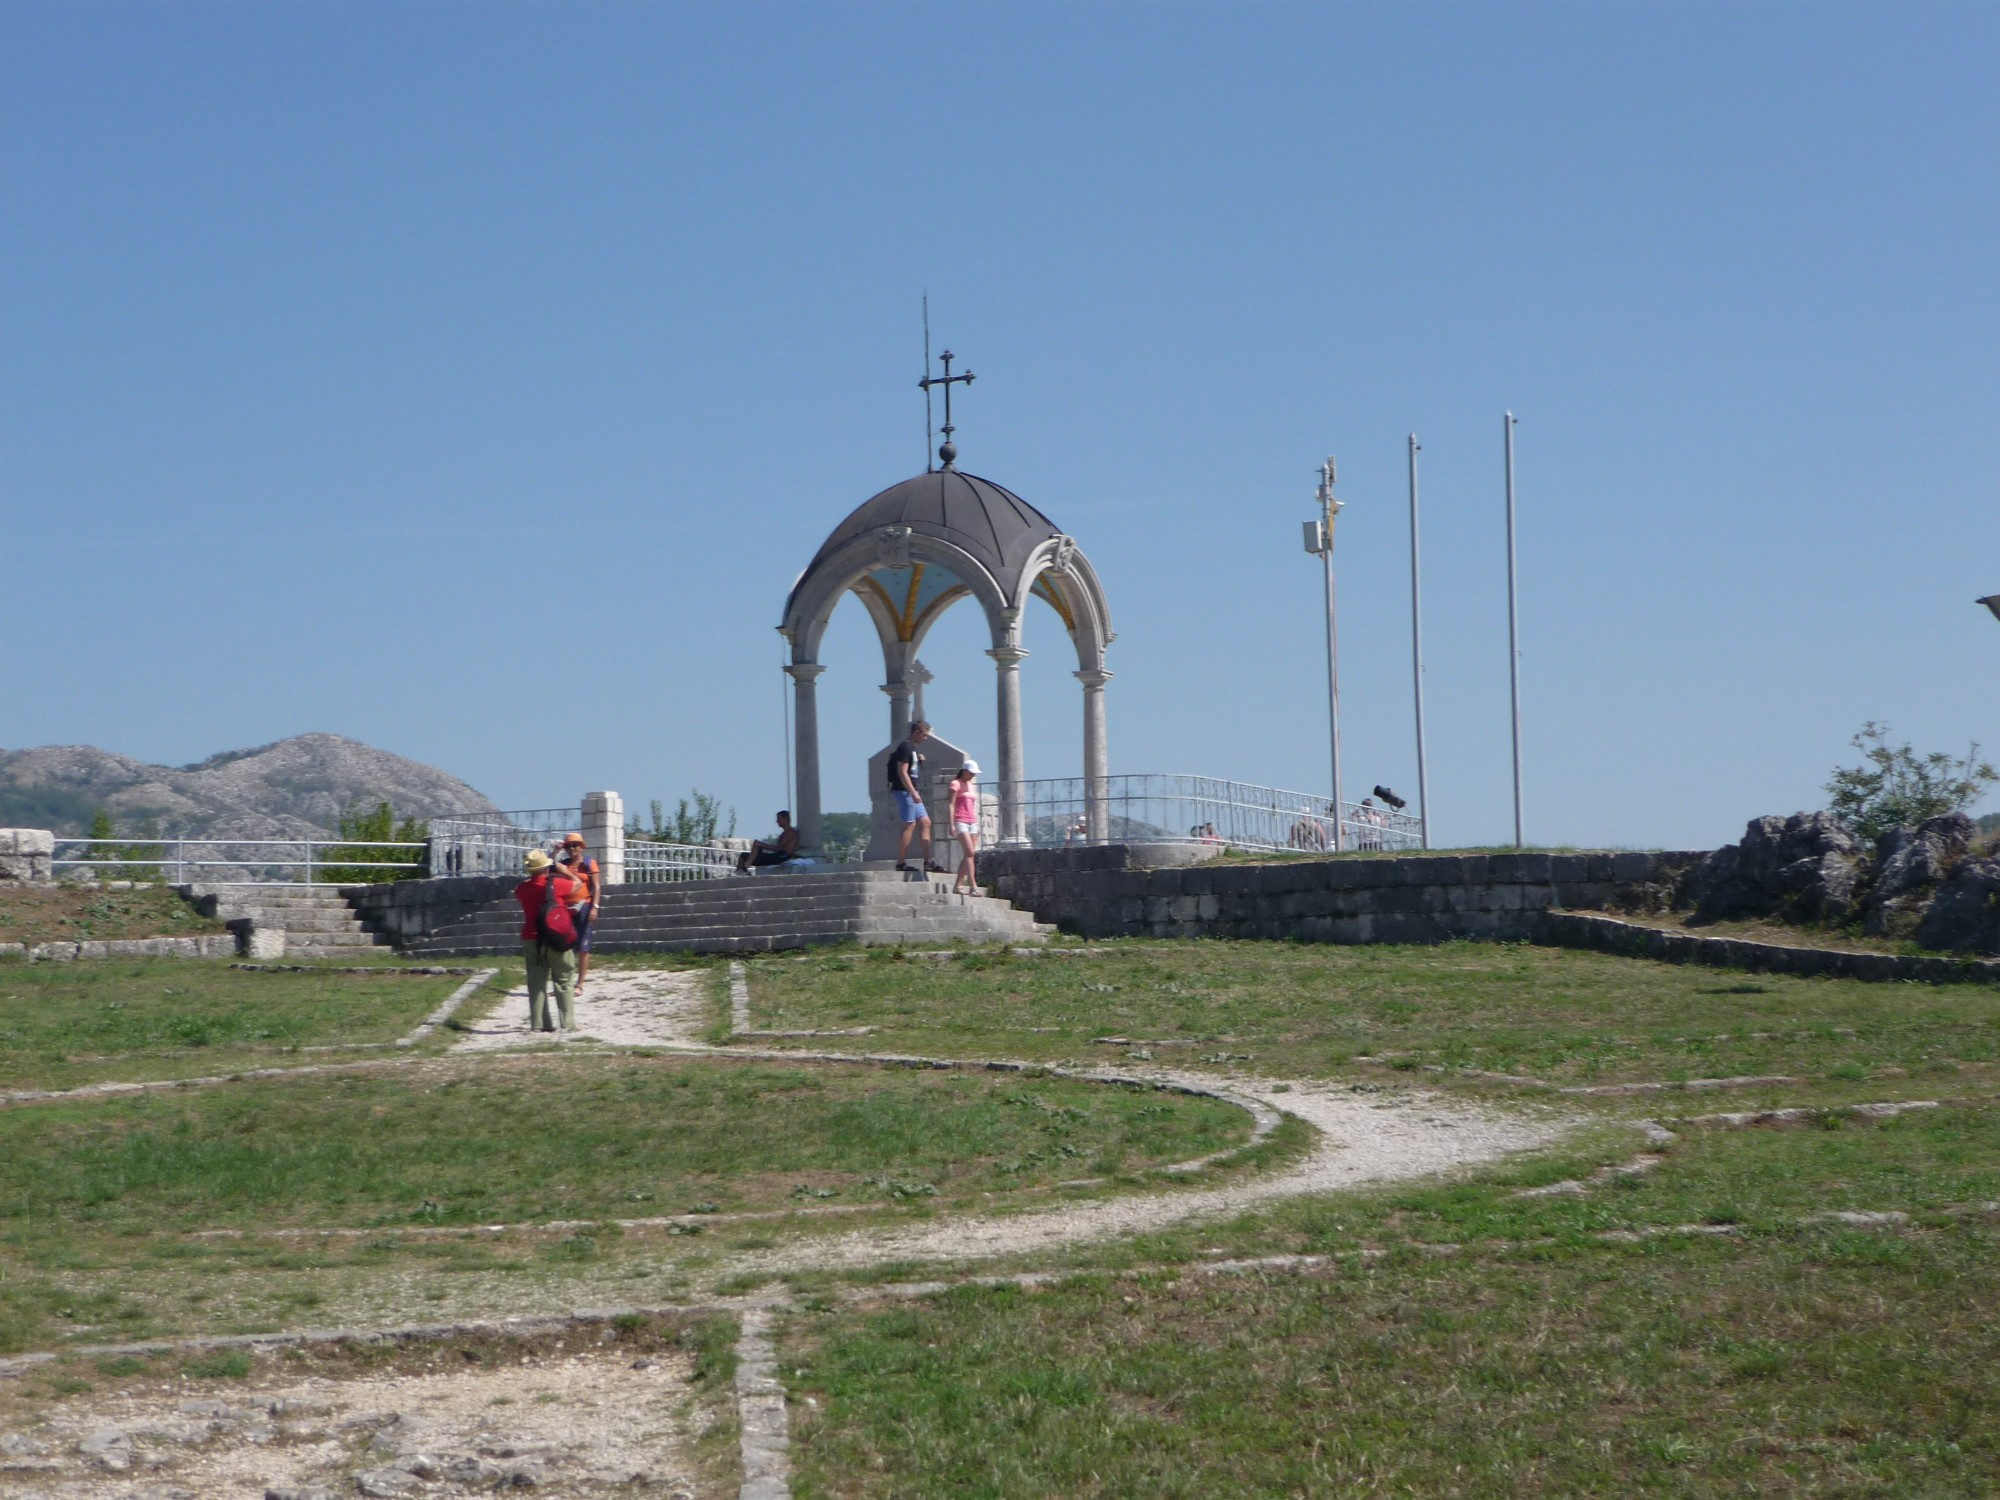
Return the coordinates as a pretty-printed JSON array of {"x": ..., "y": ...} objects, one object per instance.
[{"x": 948, "y": 452}]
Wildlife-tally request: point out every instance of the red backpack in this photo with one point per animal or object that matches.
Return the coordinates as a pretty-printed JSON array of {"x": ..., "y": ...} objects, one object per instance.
[{"x": 554, "y": 927}]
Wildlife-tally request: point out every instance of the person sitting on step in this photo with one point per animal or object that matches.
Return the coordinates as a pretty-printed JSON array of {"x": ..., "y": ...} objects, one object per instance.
[{"x": 781, "y": 850}]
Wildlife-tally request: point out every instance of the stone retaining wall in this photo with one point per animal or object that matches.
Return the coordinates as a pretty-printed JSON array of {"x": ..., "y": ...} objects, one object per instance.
[
  {"x": 407, "y": 909},
  {"x": 222, "y": 946},
  {"x": 1093, "y": 892},
  {"x": 1604, "y": 934}
]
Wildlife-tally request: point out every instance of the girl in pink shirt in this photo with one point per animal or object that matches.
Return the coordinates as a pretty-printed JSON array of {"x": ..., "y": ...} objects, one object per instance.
[{"x": 965, "y": 824}]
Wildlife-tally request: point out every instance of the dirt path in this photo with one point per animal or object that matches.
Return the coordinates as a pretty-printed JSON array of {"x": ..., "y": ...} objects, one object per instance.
[{"x": 563, "y": 1425}]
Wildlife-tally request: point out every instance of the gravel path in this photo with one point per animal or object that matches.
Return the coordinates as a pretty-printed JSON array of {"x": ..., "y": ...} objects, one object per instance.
[
  {"x": 625, "y": 1007},
  {"x": 1364, "y": 1137}
]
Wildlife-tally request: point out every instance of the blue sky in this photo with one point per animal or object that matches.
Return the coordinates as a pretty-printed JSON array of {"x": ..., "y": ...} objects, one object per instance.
[{"x": 473, "y": 379}]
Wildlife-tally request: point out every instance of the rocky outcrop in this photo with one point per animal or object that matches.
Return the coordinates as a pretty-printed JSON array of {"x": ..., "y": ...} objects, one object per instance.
[
  {"x": 1964, "y": 915},
  {"x": 1926, "y": 883},
  {"x": 289, "y": 789},
  {"x": 1910, "y": 864},
  {"x": 1805, "y": 868}
]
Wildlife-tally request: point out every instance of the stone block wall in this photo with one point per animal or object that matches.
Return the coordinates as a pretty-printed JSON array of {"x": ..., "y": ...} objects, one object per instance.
[
  {"x": 27, "y": 854},
  {"x": 1097, "y": 892},
  {"x": 407, "y": 909}
]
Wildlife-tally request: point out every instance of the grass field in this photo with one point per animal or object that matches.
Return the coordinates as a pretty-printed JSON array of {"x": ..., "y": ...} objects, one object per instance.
[
  {"x": 1459, "y": 1340},
  {"x": 71, "y": 913},
  {"x": 1704, "y": 1326},
  {"x": 1291, "y": 1010},
  {"x": 103, "y": 1194},
  {"x": 122, "y": 1019}
]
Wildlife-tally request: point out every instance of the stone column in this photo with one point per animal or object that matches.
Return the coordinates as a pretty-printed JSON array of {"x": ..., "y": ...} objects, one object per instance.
[
  {"x": 805, "y": 727},
  {"x": 1096, "y": 756},
  {"x": 604, "y": 833},
  {"x": 899, "y": 710},
  {"x": 1013, "y": 817}
]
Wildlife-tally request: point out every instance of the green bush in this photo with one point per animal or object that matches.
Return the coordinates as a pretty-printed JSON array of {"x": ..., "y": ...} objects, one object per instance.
[
  {"x": 376, "y": 827},
  {"x": 1894, "y": 787},
  {"x": 695, "y": 824},
  {"x": 144, "y": 858}
]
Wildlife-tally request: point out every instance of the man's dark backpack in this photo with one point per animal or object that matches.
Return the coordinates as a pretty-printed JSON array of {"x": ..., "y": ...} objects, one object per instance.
[{"x": 554, "y": 927}]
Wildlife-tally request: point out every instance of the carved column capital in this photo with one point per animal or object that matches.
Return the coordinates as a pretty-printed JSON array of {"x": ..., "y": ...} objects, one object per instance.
[
  {"x": 1008, "y": 656},
  {"x": 804, "y": 671},
  {"x": 1093, "y": 677}
]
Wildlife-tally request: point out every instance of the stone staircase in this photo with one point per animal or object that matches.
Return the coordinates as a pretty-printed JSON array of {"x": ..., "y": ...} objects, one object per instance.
[
  {"x": 754, "y": 914},
  {"x": 315, "y": 919}
]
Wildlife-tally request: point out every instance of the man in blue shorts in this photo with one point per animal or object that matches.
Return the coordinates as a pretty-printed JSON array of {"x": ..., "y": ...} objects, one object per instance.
[{"x": 906, "y": 784}]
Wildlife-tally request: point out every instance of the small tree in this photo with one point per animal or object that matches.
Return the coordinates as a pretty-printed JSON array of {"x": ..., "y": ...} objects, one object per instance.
[
  {"x": 843, "y": 837},
  {"x": 1894, "y": 787},
  {"x": 376, "y": 827},
  {"x": 695, "y": 824}
]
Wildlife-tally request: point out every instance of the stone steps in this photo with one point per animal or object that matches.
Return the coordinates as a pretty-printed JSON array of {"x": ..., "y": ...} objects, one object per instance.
[
  {"x": 315, "y": 920},
  {"x": 761, "y": 914}
]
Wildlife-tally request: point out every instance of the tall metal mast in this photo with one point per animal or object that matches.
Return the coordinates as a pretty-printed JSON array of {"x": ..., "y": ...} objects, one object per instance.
[
  {"x": 1513, "y": 631},
  {"x": 1417, "y": 649},
  {"x": 1319, "y": 540}
]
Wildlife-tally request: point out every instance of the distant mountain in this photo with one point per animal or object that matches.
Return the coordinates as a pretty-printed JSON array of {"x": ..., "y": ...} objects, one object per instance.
[{"x": 292, "y": 789}]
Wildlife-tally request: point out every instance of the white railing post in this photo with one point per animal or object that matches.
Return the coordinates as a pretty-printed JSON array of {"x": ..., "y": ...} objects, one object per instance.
[{"x": 604, "y": 833}]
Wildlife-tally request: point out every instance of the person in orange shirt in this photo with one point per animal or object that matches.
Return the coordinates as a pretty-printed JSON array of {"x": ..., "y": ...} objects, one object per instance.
[{"x": 590, "y": 891}]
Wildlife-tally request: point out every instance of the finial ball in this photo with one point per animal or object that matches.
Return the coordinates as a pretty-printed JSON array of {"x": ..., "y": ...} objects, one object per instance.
[{"x": 949, "y": 453}]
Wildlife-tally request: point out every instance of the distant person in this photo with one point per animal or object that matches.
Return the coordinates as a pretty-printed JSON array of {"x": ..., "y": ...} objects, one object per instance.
[
  {"x": 590, "y": 892},
  {"x": 906, "y": 784},
  {"x": 1307, "y": 833},
  {"x": 1372, "y": 822},
  {"x": 965, "y": 825},
  {"x": 548, "y": 942},
  {"x": 781, "y": 850}
]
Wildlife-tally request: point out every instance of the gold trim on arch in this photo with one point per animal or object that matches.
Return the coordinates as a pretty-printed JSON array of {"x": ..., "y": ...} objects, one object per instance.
[
  {"x": 1048, "y": 591},
  {"x": 908, "y": 621}
]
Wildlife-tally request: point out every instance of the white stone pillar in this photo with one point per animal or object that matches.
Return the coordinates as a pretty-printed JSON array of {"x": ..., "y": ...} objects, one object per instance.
[
  {"x": 604, "y": 833},
  {"x": 899, "y": 710},
  {"x": 1013, "y": 816},
  {"x": 805, "y": 728},
  {"x": 1096, "y": 756}
]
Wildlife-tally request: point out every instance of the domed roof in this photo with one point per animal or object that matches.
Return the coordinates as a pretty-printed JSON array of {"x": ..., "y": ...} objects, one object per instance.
[{"x": 995, "y": 525}]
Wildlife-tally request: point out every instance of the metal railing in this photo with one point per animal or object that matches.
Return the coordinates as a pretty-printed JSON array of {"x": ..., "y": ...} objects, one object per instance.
[
  {"x": 495, "y": 843},
  {"x": 1172, "y": 809},
  {"x": 323, "y": 861},
  {"x": 651, "y": 863}
]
